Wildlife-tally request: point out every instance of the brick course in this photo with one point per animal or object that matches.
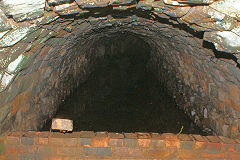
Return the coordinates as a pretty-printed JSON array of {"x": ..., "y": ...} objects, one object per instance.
[{"x": 103, "y": 145}]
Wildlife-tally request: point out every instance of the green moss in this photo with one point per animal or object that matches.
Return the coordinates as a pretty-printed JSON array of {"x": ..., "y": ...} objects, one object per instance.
[{"x": 47, "y": 37}]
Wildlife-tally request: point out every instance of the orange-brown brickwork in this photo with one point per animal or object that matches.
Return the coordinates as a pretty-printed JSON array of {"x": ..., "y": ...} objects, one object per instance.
[{"x": 104, "y": 145}]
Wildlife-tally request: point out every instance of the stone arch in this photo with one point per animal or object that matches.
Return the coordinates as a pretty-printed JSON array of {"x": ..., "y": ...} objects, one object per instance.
[{"x": 47, "y": 49}]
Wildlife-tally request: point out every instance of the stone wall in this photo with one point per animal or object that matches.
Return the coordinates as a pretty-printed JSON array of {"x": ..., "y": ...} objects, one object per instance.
[
  {"x": 48, "y": 48},
  {"x": 103, "y": 145}
]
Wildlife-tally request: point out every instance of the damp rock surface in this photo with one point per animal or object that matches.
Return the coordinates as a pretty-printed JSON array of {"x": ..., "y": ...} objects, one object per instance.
[{"x": 122, "y": 95}]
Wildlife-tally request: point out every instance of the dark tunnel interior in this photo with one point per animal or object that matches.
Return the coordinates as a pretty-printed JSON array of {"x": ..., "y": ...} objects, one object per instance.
[{"x": 122, "y": 94}]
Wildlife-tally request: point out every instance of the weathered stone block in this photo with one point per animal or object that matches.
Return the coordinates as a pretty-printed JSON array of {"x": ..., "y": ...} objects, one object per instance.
[
  {"x": 58, "y": 2},
  {"x": 63, "y": 125},
  {"x": 4, "y": 22},
  {"x": 22, "y": 7},
  {"x": 15, "y": 35}
]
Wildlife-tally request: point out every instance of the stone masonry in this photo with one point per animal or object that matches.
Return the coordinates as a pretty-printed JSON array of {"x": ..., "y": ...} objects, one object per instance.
[{"x": 48, "y": 47}]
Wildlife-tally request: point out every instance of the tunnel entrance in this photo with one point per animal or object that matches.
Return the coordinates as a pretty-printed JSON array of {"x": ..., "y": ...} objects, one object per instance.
[{"x": 121, "y": 94}]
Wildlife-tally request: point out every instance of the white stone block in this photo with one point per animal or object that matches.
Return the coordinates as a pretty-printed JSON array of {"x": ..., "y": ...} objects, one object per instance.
[{"x": 63, "y": 125}]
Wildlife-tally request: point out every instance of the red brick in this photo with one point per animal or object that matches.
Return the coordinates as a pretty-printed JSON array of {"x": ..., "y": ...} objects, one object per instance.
[
  {"x": 54, "y": 157},
  {"x": 172, "y": 142},
  {"x": 157, "y": 141},
  {"x": 213, "y": 139},
  {"x": 70, "y": 151},
  {"x": 115, "y": 139},
  {"x": 234, "y": 155},
  {"x": 101, "y": 134},
  {"x": 12, "y": 156},
  {"x": 187, "y": 145},
  {"x": 172, "y": 155},
  {"x": 185, "y": 137},
  {"x": 156, "y": 136},
  {"x": 200, "y": 145},
  {"x": 12, "y": 140},
  {"x": 116, "y": 142},
  {"x": 40, "y": 156},
  {"x": 14, "y": 149},
  {"x": 155, "y": 152},
  {"x": 42, "y": 137},
  {"x": 127, "y": 152},
  {"x": 77, "y": 158},
  {"x": 115, "y": 135},
  {"x": 168, "y": 135},
  {"x": 98, "y": 151},
  {"x": 85, "y": 142},
  {"x": 200, "y": 142},
  {"x": 143, "y": 135},
  {"x": 130, "y": 135},
  {"x": 100, "y": 141},
  {"x": 27, "y": 156},
  {"x": 42, "y": 140},
  {"x": 214, "y": 145},
  {"x": 130, "y": 140},
  {"x": 87, "y": 134},
  {"x": 144, "y": 142},
  {"x": 186, "y": 142},
  {"x": 61, "y": 139},
  {"x": 229, "y": 148},
  {"x": 216, "y": 156},
  {"x": 227, "y": 140},
  {"x": 47, "y": 150},
  {"x": 74, "y": 135},
  {"x": 237, "y": 147},
  {"x": 189, "y": 154},
  {"x": 199, "y": 138},
  {"x": 27, "y": 140},
  {"x": 229, "y": 145}
]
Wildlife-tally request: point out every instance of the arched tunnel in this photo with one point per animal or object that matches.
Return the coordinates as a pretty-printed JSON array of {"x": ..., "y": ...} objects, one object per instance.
[
  {"x": 122, "y": 82},
  {"x": 121, "y": 66}
]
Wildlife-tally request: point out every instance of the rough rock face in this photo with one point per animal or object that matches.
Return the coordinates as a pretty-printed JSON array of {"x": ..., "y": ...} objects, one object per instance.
[
  {"x": 46, "y": 47},
  {"x": 23, "y": 9},
  {"x": 4, "y": 23}
]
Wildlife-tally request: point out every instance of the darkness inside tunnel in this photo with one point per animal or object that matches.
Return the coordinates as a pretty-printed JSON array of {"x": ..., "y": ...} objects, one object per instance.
[{"x": 121, "y": 94}]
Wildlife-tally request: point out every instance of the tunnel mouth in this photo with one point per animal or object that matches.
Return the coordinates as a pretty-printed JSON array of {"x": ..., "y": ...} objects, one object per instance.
[{"x": 122, "y": 94}]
